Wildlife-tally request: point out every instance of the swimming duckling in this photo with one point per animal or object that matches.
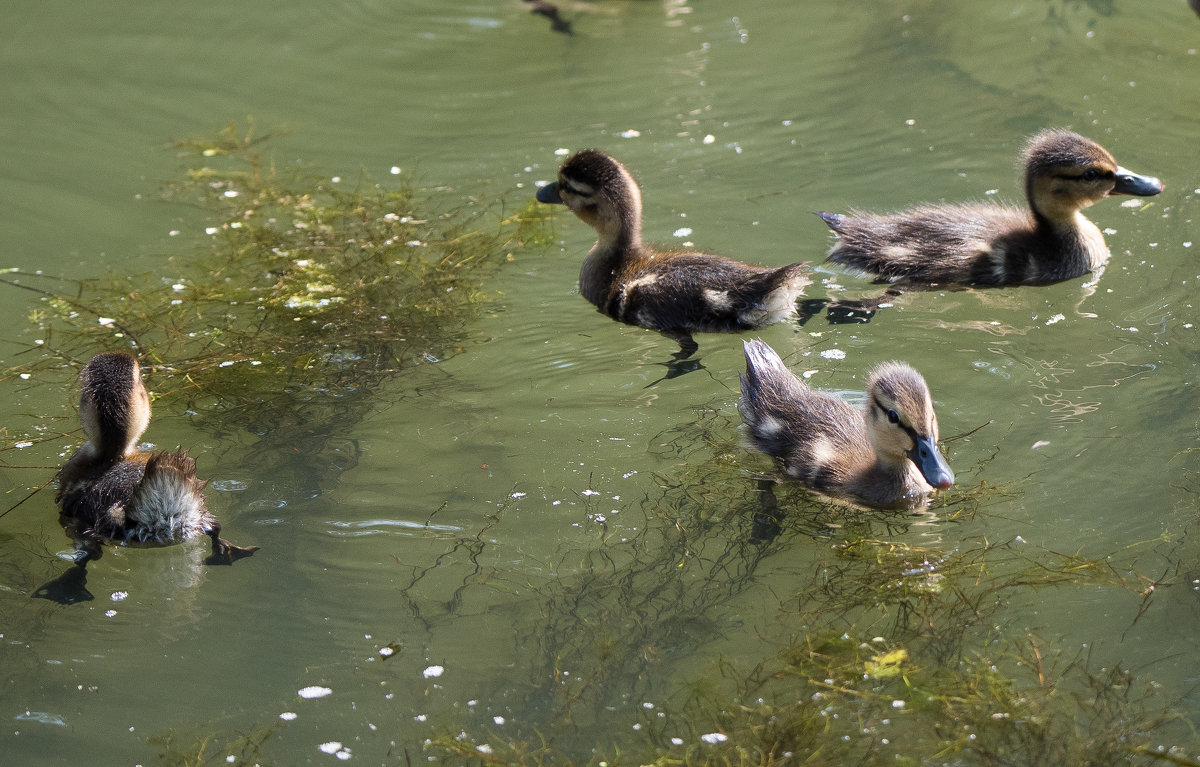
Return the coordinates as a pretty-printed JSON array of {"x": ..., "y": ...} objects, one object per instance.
[
  {"x": 992, "y": 244},
  {"x": 109, "y": 491},
  {"x": 886, "y": 455},
  {"x": 673, "y": 292}
]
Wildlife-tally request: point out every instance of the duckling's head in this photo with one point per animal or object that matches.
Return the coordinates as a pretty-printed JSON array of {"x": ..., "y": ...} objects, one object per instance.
[
  {"x": 600, "y": 191},
  {"x": 114, "y": 406},
  {"x": 1065, "y": 173},
  {"x": 903, "y": 424}
]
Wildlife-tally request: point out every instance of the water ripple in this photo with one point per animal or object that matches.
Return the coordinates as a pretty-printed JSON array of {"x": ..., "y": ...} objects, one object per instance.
[{"x": 398, "y": 527}]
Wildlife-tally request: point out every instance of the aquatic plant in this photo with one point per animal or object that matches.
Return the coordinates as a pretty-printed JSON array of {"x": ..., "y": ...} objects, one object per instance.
[
  {"x": 877, "y": 645},
  {"x": 304, "y": 295},
  {"x": 207, "y": 750}
]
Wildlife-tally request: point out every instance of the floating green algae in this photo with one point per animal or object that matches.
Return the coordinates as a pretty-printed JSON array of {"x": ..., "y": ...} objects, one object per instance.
[{"x": 304, "y": 295}]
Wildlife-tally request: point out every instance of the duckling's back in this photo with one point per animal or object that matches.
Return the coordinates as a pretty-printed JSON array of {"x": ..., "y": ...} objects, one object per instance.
[
  {"x": 94, "y": 496},
  {"x": 982, "y": 243},
  {"x": 704, "y": 292},
  {"x": 819, "y": 438}
]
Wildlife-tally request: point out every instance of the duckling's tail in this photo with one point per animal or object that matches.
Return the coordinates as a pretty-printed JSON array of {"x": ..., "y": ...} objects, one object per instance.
[
  {"x": 777, "y": 295},
  {"x": 832, "y": 220},
  {"x": 168, "y": 504},
  {"x": 767, "y": 385}
]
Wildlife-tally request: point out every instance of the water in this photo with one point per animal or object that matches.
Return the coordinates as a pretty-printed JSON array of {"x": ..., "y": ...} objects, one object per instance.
[{"x": 489, "y": 494}]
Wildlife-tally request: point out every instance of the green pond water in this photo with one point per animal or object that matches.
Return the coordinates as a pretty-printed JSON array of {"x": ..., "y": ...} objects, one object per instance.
[{"x": 523, "y": 543}]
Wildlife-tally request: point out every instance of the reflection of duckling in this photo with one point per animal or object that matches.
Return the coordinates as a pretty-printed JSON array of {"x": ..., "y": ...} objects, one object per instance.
[
  {"x": 886, "y": 455},
  {"x": 991, "y": 244},
  {"x": 110, "y": 491},
  {"x": 673, "y": 292},
  {"x": 550, "y": 11}
]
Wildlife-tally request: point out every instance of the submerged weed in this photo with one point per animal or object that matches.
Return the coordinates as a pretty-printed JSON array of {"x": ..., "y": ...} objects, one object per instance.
[
  {"x": 878, "y": 643},
  {"x": 302, "y": 297}
]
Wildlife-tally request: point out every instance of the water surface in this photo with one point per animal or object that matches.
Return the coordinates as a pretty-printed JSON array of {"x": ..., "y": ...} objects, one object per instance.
[{"x": 489, "y": 492}]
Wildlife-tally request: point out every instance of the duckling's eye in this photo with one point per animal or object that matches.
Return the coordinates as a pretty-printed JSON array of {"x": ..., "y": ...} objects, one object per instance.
[
  {"x": 1091, "y": 174},
  {"x": 893, "y": 416}
]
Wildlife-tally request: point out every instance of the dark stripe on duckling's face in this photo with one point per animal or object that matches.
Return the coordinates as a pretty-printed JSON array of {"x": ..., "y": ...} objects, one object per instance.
[
  {"x": 924, "y": 452},
  {"x": 1124, "y": 181},
  {"x": 1089, "y": 175}
]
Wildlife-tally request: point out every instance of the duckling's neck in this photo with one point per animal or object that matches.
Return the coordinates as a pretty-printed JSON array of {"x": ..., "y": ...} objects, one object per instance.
[
  {"x": 101, "y": 452},
  {"x": 1070, "y": 244},
  {"x": 1075, "y": 244},
  {"x": 619, "y": 242},
  {"x": 895, "y": 480}
]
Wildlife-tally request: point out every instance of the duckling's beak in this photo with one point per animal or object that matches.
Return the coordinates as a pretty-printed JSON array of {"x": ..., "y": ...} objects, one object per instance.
[
  {"x": 549, "y": 193},
  {"x": 1129, "y": 182},
  {"x": 933, "y": 466}
]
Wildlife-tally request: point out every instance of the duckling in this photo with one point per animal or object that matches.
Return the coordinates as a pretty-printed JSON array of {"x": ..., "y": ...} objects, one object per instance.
[
  {"x": 674, "y": 292},
  {"x": 110, "y": 491},
  {"x": 992, "y": 244},
  {"x": 886, "y": 455}
]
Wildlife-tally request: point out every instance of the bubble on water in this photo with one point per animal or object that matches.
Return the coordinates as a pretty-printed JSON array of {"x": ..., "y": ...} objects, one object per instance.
[{"x": 314, "y": 691}]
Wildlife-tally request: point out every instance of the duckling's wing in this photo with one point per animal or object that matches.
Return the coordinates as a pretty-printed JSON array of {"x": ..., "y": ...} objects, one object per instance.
[
  {"x": 705, "y": 292},
  {"x": 821, "y": 440},
  {"x": 935, "y": 243},
  {"x": 98, "y": 500}
]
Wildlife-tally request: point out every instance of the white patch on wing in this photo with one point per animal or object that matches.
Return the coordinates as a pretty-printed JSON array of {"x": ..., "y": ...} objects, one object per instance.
[
  {"x": 823, "y": 452},
  {"x": 718, "y": 299},
  {"x": 897, "y": 253},
  {"x": 768, "y": 426},
  {"x": 978, "y": 246},
  {"x": 777, "y": 306},
  {"x": 648, "y": 279}
]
